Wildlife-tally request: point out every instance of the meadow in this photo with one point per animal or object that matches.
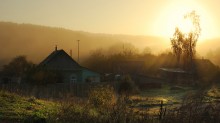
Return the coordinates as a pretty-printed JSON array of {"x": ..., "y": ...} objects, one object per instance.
[{"x": 167, "y": 104}]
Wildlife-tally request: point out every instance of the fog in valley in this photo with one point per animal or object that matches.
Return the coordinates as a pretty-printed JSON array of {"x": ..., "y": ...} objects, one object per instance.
[{"x": 36, "y": 42}]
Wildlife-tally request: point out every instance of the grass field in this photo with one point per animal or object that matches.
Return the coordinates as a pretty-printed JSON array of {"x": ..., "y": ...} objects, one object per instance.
[
  {"x": 171, "y": 97},
  {"x": 17, "y": 108}
]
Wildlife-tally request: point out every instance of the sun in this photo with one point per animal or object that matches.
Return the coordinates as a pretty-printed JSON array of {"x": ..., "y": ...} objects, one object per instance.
[
  {"x": 172, "y": 16},
  {"x": 185, "y": 25}
]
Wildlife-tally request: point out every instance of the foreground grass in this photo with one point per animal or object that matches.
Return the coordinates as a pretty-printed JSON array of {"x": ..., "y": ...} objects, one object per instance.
[
  {"x": 101, "y": 106},
  {"x": 97, "y": 109},
  {"x": 15, "y": 108},
  {"x": 172, "y": 98},
  {"x": 151, "y": 98}
]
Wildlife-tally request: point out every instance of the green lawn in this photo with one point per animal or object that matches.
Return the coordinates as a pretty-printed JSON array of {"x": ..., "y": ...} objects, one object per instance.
[{"x": 16, "y": 108}]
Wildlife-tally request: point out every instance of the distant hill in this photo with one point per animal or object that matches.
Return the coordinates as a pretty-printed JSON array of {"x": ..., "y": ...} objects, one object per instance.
[{"x": 36, "y": 42}]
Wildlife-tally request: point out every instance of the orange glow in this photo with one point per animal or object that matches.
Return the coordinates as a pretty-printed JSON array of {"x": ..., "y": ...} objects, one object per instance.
[
  {"x": 172, "y": 16},
  {"x": 185, "y": 26}
]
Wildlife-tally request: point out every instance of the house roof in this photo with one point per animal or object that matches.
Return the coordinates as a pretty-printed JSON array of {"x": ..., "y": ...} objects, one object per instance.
[
  {"x": 59, "y": 60},
  {"x": 204, "y": 63},
  {"x": 173, "y": 70}
]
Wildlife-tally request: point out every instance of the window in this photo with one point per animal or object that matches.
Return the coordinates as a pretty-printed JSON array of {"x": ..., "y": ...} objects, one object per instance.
[
  {"x": 91, "y": 79},
  {"x": 73, "y": 78}
]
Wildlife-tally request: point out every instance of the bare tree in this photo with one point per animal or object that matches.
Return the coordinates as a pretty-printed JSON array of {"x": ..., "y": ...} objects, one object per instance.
[
  {"x": 176, "y": 43},
  {"x": 191, "y": 38},
  {"x": 184, "y": 44}
]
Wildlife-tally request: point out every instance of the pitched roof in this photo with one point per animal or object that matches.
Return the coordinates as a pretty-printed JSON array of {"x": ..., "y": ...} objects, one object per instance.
[
  {"x": 60, "y": 60},
  {"x": 198, "y": 63},
  {"x": 173, "y": 70}
]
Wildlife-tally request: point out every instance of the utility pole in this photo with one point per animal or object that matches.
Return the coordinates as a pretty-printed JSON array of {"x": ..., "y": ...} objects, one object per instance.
[
  {"x": 78, "y": 50},
  {"x": 71, "y": 53}
]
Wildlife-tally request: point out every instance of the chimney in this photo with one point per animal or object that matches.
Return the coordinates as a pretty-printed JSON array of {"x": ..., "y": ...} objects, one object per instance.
[{"x": 56, "y": 48}]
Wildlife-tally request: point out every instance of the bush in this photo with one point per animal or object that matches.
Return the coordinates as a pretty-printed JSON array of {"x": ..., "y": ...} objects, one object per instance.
[
  {"x": 195, "y": 108},
  {"x": 102, "y": 97},
  {"x": 70, "y": 111},
  {"x": 127, "y": 86}
]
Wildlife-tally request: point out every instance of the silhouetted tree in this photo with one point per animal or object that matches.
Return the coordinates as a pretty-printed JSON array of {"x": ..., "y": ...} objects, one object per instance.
[
  {"x": 147, "y": 50},
  {"x": 176, "y": 43},
  {"x": 126, "y": 86},
  {"x": 19, "y": 66},
  {"x": 185, "y": 43},
  {"x": 97, "y": 61}
]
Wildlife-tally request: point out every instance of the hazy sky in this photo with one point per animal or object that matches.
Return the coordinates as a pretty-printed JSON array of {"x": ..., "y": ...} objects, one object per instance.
[{"x": 137, "y": 17}]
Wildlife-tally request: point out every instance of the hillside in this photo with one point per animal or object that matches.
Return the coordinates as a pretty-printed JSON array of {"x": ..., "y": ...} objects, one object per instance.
[{"x": 36, "y": 42}]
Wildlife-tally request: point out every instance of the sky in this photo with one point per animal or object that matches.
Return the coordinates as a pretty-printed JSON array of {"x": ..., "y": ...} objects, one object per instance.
[{"x": 135, "y": 17}]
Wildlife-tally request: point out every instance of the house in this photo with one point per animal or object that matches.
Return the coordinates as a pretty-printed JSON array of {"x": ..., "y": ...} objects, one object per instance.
[{"x": 71, "y": 71}]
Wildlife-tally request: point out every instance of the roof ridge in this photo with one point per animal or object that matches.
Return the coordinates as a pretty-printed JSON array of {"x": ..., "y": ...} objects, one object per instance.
[{"x": 60, "y": 64}]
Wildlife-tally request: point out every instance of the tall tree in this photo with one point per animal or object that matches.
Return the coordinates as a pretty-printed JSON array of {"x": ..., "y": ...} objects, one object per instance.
[
  {"x": 184, "y": 44},
  {"x": 176, "y": 43},
  {"x": 191, "y": 38}
]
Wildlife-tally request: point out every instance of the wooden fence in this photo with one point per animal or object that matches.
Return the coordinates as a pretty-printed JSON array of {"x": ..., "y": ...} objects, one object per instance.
[{"x": 58, "y": 90}]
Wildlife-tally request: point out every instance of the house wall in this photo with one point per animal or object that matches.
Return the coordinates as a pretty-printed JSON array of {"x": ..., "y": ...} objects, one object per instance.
[
  {"x": 67, "y": 76},
  {"x": 87, "y": 74},
  {"x": 82, "y": 76}
]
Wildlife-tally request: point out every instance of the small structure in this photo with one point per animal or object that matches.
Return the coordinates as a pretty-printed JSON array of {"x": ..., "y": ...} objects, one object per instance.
[
  {"x": 175, "y": 74},
  {"x": 202, "y": 68},
  {"x": 71, "y": 71}
]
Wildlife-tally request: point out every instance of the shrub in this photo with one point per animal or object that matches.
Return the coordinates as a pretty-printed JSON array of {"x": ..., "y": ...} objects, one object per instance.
[
  {"x": 102, "y": 97},
  {"x": 195, "y": 108},
  {"x": 127, "y": 86}
]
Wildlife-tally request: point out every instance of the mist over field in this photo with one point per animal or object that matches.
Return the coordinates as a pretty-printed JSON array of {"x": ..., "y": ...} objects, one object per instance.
[{"x": 36, "y": 42}]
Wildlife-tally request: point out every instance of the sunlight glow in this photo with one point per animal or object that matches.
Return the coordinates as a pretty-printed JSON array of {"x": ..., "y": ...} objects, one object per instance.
[
  {"x": 185, "y": 26},
  {"x": 172, "y": 16}
]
